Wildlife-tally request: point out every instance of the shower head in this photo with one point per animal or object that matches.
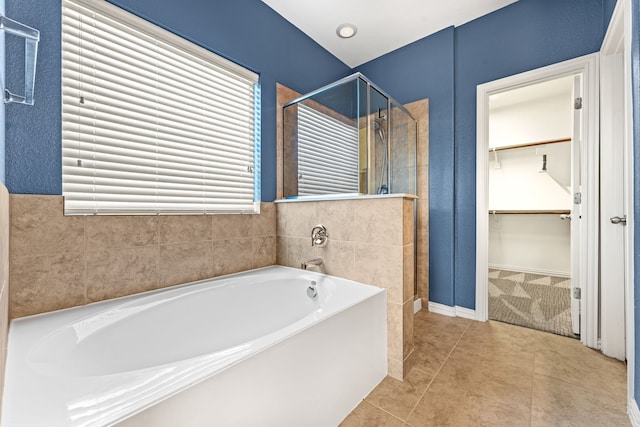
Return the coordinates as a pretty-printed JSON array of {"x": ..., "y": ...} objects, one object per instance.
[
  {"x": 379, "y": 122},
  {"x": 380, "y": 126}
]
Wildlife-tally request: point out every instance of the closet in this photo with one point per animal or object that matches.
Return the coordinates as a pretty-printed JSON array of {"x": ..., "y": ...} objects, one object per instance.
[{"x": 530, "y": 205}]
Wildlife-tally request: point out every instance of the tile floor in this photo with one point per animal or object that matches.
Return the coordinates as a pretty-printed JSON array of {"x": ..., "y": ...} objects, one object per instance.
[{"x": 494, "y": 374}]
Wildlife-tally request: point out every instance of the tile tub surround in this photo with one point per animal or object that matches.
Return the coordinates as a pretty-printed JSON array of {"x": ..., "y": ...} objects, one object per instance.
[
  {"x": 420, "y": 111},
  {"x": 62, "y": 261},
  {"x": 370, "y": 241},
  {"x": 4, "y": 281}
]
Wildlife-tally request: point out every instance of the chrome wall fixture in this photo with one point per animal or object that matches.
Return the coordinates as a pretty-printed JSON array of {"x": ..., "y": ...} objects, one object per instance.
[
  {"x": 31, "y": 39},
  {"x": 319, "y": 236}
]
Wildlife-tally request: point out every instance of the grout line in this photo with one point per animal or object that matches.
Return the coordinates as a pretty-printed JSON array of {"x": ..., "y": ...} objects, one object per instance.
[
  {"x": 438, "y": 371},
  {"x": 383, "y": 410}
]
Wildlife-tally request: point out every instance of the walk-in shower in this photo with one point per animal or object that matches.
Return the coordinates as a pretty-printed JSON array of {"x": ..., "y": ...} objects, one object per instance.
[{"x": 349, "y": 137}]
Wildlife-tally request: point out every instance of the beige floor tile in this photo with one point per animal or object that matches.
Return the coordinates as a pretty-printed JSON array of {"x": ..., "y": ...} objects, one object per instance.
[
  {"x": 475, "y": 390},
  {"x": 366, "y": 415},
  {"x": 438, "y": 410},
  {"x": 557, "y": 403},
  {"x": 399, "y": 397},
  {"x": 434, "y": 330},
  {"x": 509, "y": 344},
  {"x": 568, "y": 360},
  {"x": 430, "y": 357},
  {"x": 473, "y": 375},
  {"x": 434, "y": 338},
  {"x": 484, "y": 376}
]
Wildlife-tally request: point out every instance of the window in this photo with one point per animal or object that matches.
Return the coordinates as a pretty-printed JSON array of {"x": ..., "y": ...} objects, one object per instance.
[
  {"x": 328, "y": 154},
  {"x": 151, "y": 123}
]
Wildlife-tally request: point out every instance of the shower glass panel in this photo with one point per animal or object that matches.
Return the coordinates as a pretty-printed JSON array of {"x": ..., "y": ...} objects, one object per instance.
[
  {"x": 404, "y": 132},
  {"x": 348, "y": 138}
]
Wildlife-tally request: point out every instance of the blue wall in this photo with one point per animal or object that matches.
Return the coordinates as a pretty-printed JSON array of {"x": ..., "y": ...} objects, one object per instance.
[
  {"x": 523, "y": 36},
  {"x": 246, "y": 31},
  {"x": 420, "y": 70},
  {"x": 445, "y": 67},
  {"x": 635, "y": 78}
]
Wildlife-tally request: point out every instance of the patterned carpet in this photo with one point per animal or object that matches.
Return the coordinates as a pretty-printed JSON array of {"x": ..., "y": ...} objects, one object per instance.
[{"x": 531, "y": 300}]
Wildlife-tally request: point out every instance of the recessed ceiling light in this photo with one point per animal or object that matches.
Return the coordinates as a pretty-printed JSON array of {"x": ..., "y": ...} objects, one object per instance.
[{"x": 346, "y": 31}]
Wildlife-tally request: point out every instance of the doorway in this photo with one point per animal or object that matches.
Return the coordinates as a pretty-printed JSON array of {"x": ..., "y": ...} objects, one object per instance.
[
  {"x": 531, "y": 147},
  {"x": 583, "y": 196}
]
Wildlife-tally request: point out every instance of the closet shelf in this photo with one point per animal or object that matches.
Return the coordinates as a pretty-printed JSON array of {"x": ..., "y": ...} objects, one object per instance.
[
  {"x": 530, "y": 144},
  {"x": 530, "y": 212}
]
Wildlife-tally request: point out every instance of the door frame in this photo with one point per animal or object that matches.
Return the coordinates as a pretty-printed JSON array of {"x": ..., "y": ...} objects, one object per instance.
[
  {"x": 617, "y": 37},
  {"x": 588, "y": 66}
]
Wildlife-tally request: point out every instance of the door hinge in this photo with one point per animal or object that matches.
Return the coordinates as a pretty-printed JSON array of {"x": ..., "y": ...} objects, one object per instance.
[
  {"x": 578, "y": 104},
  {"x": 577, "y": 293},
  {"x": 577, "y": 198}
]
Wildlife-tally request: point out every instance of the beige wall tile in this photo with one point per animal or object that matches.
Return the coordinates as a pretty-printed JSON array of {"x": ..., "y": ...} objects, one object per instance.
[
  {"x": 185, "y": 262},
  {"x": 339, "y": 258},
  {"x": 381, "y": 266},
  {"x": 420, "y": 111},
  {"x": 408, "y": 219},
  {"x": 115, "y": 273},
  {"x": 298, "y": 250},
  {"x": 408, "y": 363},
  {"x": 232, "y": 256},
  {"x": 407, "y": 328},
  {"x": 283, "y": 95},
  {"x": 281, "y": 250},
  {"x": 4, "y": 334},
  {"x": 38, "y": 227},
  {"x": 408, "y": 273},
  {"x": 339, "y": 218},
  {"x": 114, "y": 232},
  {"x": 297, "y": 219},
  {"x": 394, "y": 369},
  {"x": 183, "y": 228},
  {"x": 45, "y": 283},
  {"x": 264, "y": 251},
  {"x": 394, "y": 331},
  {"x": 4, "y": 281},
  {"x": 378, "y": 221},
  {"x": 231, "y": 226},
  {"x": 264, "y": 224}
]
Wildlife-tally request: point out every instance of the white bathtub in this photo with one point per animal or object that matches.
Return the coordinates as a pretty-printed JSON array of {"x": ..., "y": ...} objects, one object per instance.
[{"x": 249, "y": 349}]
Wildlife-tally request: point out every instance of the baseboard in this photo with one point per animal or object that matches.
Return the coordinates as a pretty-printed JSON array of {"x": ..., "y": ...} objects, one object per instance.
[
  {"x": 417, "y": 305},
  {"x": 531, "y": 270},
  {"x": 466, "y": 313},
  {"x": 450, "y": 311},
  {"x": 634, "y": 412}
]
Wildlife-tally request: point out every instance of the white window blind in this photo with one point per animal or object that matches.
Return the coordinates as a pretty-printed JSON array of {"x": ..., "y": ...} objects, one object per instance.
[
  {"x": 152, "y": 123},
  {"x": 327, "y": 154}
]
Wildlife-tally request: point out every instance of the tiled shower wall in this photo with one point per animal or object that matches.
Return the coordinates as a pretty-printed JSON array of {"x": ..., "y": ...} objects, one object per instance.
[
  {"x": 62, "y": 261},
  {"x": 370, "y": 241},
  {"x": 4, "y": 280}
]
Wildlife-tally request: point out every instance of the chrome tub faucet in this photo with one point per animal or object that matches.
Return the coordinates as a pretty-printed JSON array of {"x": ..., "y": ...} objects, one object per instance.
[{"x": 314, "y": 261}]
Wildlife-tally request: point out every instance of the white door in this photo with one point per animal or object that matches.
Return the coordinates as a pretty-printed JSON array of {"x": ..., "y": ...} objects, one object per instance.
[
  {"x": 576, "y": 214},
  {"x": 613, "y": 193}
]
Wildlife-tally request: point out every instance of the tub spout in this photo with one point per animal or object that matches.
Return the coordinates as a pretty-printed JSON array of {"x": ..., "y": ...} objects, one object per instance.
[{"x": 315, "y": 261}]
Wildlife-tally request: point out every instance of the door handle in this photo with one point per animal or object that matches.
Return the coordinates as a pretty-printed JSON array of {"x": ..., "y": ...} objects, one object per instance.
[
  {"x": 619, "y": 220},
  {"x": 565, "y": 216}
]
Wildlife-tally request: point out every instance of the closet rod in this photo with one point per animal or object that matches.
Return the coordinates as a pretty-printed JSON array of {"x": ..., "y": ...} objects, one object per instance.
[
  {"x": 530, "y": 144},
  {"x": 528, "y": 212}
]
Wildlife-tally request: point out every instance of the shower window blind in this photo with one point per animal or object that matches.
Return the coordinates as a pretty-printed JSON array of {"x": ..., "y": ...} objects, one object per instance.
[
  {"x": 151, "y": 123},
  {"x": 327, "y": 154}
]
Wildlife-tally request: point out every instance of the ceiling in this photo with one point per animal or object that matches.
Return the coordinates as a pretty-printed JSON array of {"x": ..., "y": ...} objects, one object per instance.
[{"x": 383, "y": 26}]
